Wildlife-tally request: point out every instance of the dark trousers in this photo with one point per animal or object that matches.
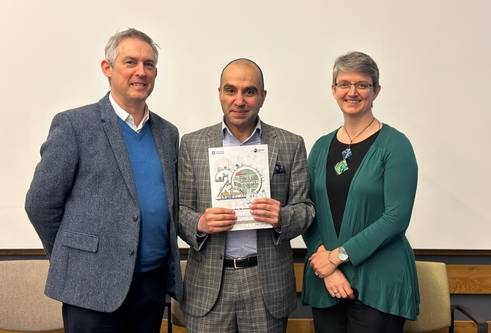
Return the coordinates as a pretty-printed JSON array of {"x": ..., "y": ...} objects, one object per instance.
[
  {"x": 141, "y": 311},
  {"x": 352, "y": 316}
]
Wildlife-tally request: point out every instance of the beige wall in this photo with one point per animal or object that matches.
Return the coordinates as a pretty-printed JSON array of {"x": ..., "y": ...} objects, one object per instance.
[{"x": 433, "y": 57}]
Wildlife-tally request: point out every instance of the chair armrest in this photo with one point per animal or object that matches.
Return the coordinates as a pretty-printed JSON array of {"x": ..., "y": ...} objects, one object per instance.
[{"x": 482, "y": 324}]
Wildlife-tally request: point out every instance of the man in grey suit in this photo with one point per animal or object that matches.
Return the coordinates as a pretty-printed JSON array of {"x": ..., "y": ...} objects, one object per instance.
[
  {"x": 103, "y": 201},
  {"x": 241, "y": 281}
]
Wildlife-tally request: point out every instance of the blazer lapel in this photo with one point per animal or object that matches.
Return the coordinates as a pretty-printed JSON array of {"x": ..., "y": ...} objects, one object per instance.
[
  {"x": 112, "y": 128},
  {"x": 166, "y": 152},
  {"x": 268, "y": 136},
  {"x": 215, "y": 136}
]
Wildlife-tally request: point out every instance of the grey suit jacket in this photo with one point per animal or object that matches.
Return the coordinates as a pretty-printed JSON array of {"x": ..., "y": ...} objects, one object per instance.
[
  {"x": 289, "y": 184},
  {"x": 83, "y": 204}
]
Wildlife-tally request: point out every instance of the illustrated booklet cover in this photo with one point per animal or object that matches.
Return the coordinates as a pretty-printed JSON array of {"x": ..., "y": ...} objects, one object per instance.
[{"x": 238, "y": 175}]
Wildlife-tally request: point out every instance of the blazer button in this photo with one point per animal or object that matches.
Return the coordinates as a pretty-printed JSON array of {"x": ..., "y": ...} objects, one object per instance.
[
  {"x": 131, "y": 251},
  {"x": 135, "y": 218}
]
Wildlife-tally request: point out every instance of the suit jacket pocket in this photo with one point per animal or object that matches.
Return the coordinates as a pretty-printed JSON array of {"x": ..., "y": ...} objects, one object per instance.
[{"x": 79, "y": 241}]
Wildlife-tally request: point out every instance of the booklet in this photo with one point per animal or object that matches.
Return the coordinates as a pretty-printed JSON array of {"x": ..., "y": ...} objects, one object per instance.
[{"x": 238, "y": 175}]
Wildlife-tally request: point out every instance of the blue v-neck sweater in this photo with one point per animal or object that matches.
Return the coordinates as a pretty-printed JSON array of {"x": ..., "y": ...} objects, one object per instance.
[{"x": 150, "y": 188}]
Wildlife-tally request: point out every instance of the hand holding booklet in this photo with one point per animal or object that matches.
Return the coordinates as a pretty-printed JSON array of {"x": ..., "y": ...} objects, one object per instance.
[{"x": 238, "y": 175}]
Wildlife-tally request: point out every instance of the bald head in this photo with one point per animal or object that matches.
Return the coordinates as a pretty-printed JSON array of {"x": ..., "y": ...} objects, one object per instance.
[
  {"x": 241, "y": 96},
  {"x": 243, "y": 62}
]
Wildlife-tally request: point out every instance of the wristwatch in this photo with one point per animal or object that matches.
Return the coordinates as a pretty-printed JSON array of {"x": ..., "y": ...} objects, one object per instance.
[{"x": 342, "y": 255}]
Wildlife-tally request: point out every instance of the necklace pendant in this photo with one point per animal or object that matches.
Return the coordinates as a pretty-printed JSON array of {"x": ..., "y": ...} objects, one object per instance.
[
  {"x": 346, "y": 153},
  {"x": 341, "y": 167}
]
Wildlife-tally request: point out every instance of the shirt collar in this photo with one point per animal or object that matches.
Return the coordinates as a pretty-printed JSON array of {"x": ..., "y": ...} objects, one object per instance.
[
  {"x": 128, "y": 118},
  {"x": 254, "y": 138}
]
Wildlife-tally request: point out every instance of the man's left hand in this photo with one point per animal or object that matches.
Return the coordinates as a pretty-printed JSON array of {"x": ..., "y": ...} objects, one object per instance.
[{"x": 266, "y": 210}]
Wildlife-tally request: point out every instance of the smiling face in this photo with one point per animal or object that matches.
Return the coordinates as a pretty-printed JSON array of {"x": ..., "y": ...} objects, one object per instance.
[
  {"x": 241, "y": 95},
  {"x": 133, "y": 74},
  {"x": 353, "y": 101}
]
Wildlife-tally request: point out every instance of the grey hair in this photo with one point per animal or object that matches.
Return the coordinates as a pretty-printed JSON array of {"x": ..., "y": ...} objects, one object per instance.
[
  {"x": 111, "y": 50},
  {"x": 356, "y": 62}
]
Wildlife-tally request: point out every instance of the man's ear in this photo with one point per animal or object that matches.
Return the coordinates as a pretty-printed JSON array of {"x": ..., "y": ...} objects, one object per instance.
[
  {"x": 263, "y": 97},
  {"x": 106, "y": 68}
]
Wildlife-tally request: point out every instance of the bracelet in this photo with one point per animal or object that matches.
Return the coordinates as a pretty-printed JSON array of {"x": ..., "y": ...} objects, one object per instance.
[{"x": 329, "y": 258}]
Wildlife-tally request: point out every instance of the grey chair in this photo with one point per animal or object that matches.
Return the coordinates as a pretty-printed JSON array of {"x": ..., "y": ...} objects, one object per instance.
[
  {"x": 436, "y": 311},
  {"x": 24, "y": 307}
]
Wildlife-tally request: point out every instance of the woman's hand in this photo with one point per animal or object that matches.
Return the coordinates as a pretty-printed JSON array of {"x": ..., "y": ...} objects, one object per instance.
[
  {"x": 338, "y": 286},
  {"x": 320, "y": 263}
]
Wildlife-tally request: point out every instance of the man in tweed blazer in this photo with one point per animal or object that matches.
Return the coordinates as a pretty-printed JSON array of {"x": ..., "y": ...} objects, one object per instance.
[
  {"x": 92, "y": 208},
  {"x": 241, "y": 281}
]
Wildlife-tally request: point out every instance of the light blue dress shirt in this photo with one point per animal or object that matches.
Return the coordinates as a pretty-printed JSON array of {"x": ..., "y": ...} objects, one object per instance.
[{"x": 242, "y": 243}]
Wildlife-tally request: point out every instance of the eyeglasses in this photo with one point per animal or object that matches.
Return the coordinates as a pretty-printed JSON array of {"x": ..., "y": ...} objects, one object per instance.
[{"x": 344, "y": 85}]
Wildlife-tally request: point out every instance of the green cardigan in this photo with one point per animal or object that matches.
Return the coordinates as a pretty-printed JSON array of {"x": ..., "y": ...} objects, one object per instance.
[{"x": 377, "y": 214}]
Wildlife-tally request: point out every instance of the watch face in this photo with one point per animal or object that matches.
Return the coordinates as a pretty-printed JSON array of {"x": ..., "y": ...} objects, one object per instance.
[{"x": 342, "y": 255}]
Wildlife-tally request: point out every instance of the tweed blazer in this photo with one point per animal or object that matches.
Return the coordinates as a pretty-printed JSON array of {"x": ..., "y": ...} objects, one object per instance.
[
  {"x": 83, "y": 204},
  {"x": 289, "y": 184}
]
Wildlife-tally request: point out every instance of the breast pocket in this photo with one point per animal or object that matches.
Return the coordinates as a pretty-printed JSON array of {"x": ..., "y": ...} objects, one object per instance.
[{"x": 79, "y": 241}]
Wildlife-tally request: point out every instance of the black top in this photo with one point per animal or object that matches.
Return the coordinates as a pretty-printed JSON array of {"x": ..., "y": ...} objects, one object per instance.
[{"x": 338, "y": 185}]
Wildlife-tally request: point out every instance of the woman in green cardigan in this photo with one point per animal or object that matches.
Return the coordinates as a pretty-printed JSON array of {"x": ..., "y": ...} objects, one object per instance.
[{"x": 360, "y": 274}]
